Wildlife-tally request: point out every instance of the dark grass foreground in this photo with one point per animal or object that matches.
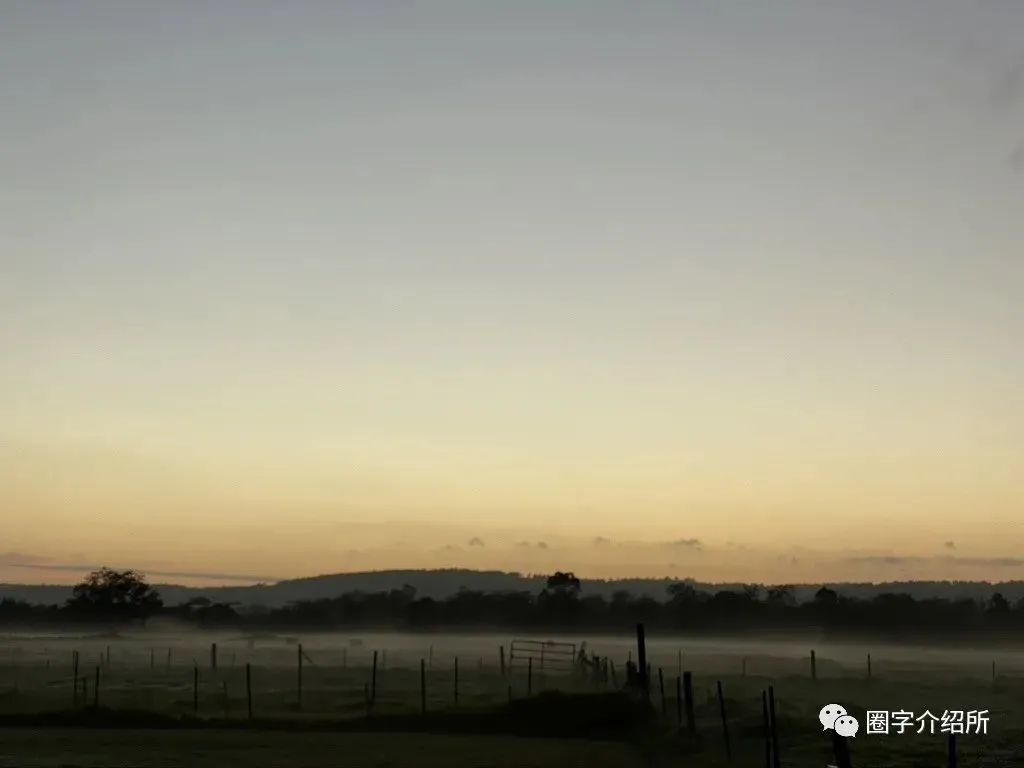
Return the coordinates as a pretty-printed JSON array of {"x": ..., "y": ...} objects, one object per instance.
[{"x": 606, "y": 716}]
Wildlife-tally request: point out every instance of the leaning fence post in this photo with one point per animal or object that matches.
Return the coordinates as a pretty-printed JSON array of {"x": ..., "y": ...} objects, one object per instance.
[
  {"x": 691, "y": 720},
  {"x": 775, "y": 727},
  {"x": 725, "y": 722},
  {"x": 373, "y": 680}
]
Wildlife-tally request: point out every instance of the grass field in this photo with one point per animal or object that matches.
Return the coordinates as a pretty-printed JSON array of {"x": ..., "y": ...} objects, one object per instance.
[{"x": 333, "y": 726}]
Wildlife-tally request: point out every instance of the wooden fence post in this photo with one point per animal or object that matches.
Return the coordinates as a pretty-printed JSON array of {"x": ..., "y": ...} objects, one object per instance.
[
  {"x": 195, "y": 688},
  {"x": 725, "y": 722},
  {"x": 776, "y": 761},
  {"x": 529, "y": 677},
  {"x": 869, "y": 666},
  {"x": 299, "y": 676},
  {"x": 661, "y": 688},
  {"x": 456, "y": 681},
  {"x": 641, "y": 651},
  {"x": 96, "y": 690},
  {"x": 841, "y": 750},
  {"x": 767, "y": 729},
  {"x": 679, "y": 702},
  {"x": 423, "y": 686},
  {"x": 691, "y": 720},
  {"x": 501, "y": 658},
  {"x": 373, "y": 680},
  {"x": 248, "y": 688},
  {"x": 814, "y": 666}
]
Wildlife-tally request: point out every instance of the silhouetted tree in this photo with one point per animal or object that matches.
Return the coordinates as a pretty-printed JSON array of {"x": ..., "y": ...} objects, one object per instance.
[
  {"x": 564, "y": 582},
  {"x": 110, "y": 594}
]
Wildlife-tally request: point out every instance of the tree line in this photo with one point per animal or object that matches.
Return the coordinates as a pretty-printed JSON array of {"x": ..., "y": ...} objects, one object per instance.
[{"x": 116, "y": 597}]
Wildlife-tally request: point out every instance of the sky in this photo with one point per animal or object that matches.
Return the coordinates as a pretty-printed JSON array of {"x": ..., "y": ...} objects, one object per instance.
[{"x": 721, "y": 290}]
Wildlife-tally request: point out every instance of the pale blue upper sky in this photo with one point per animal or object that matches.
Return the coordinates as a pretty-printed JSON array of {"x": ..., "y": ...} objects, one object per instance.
[{"x": 434, "y": 259}]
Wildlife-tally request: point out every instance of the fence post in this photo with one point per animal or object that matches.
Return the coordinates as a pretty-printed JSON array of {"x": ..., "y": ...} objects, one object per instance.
[
  {"x": 661, "y": 689},
  {"x": 168, "y": 658},
  {"x": 775, "y": 727},
  {"x": 213, "y": 656},
  {"x": 96, "y": 690},
  {"x": 615, "y": 677},
  {"x": 456, "y": 681},
  {"x": 869, "y": 666},
  {"x": 641, "y": 651},
  {"x": 691, "y": 720},
  {"x": 679, "y": 702},
  {"x": 725, "y": 722},
  {"x": 423, "y": 686},
  {"x": 501, "y": 658},
  {"x": 373, "y": 680},
  {"x": 299, "y": 676},
  {"x": 195, "y": 688},
  {"x": 841, "y": 750},
  {"x": 767, "y": 728},
  {"x": 248, "y": 688},
  {"x": 74, "y": 665},
  {"x": 529, "y": 676}
]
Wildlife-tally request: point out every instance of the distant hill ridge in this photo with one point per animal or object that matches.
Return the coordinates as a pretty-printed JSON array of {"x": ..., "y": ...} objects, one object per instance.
[{"x": 439, "y": 584}]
